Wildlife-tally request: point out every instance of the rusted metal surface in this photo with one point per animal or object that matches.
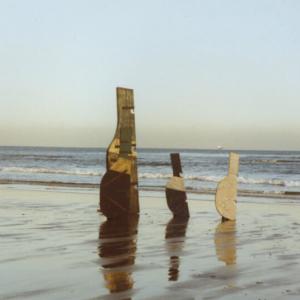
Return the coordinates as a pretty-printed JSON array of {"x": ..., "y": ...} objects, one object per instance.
[
  {"x": 175, "y": 190},
  {"x": 118, "y": 187},
  {"x": 226, "y": 193}
]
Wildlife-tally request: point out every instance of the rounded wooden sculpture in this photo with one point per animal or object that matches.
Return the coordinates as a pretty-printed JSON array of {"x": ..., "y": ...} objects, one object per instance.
[
  {"x": 226, "y": 197},
  {"x": 118, "y": 187},
  {"x": 175, "y": 190},
  {"x": 226, "y": 193}
]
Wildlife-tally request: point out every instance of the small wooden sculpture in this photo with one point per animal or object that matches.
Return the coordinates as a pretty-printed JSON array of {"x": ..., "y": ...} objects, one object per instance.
[
  {"x": 227, "y": 190},
  {"x": 118, "y": 187},
  {"x": 175, "y": 190}
]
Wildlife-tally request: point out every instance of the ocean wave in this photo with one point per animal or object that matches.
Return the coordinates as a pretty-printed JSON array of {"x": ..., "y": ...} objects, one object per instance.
[
  {"x": 208, "y": 178},
  {"x": 187, "y": 177},
  {"x": 50, "y": 171},
  {"x": 216, "y": 179},
  {"x": 207, "y": 191},
  {"x": 35, "y": 157},
  {"x": 154, "y": 175},
  {"x": 275, "y": 161},
  {"x": 203, "y": 178},
  {"x": 154, "y": 163},
  {"x": 247, "y": 180},
  {"x": 276, "y": 182}
]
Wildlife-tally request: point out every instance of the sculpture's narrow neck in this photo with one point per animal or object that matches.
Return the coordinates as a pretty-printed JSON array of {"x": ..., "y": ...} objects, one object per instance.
[
  {"x": 176, "y": 164},
  {"x": 233, "y": 168},
  {"x": 125, "y": 103}
]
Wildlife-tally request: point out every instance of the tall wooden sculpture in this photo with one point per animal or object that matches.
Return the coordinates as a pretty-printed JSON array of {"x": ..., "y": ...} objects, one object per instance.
[
  {"x": 118, "y": 187},
  {"x": 227, "y": 190},
  {"x": 175, "y": 190}
]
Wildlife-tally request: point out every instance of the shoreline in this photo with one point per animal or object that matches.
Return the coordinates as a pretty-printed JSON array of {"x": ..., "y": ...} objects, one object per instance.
[{"x": 209, "y": 191}]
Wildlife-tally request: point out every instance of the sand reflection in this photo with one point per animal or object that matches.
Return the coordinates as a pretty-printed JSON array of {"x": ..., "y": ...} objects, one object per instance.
[
  {"x": 117, "y": 250},
  {"x": 175, "y": 237},
  {"x": 225, "y": 242}
]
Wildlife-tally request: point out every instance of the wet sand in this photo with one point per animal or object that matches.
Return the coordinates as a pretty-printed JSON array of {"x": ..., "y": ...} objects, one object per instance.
[{"x": 54, "y": 245}]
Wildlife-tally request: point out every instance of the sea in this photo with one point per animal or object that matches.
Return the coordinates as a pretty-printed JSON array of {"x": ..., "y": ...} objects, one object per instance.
[{"x": 268, "y": 172}]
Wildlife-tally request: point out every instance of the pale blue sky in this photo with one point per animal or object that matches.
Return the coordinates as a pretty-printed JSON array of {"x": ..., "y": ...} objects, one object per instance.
[{"x": 205, "y": 73}]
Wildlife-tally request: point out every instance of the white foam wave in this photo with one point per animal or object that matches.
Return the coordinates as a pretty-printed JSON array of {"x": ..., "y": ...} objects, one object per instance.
[
  {"x": 279, "y": 182},
  {"x": 243, "y": 180},
  {"x": 204, "y": 178},
  {"x": 276, "y": 161},
  {"x": 154, "y": 175},
  {"x": 266, "y": 161},
  {"x": 207, "y": 178},
  {"x": 50, "y": 171}
]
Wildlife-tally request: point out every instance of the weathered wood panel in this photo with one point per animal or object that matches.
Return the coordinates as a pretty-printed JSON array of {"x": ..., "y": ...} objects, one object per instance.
[
  {"x": 118, "y": 188},
  {"x": 175, "y": 190}
]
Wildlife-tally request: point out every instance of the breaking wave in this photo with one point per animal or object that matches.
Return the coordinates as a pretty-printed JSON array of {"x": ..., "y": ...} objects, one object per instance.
[
  {"x": 275, "y": 161},
  {"x": 207, "y": 178},
  {"x": 243, "y": 180},
  {"x": 153, "y": 163},
  {"x": 278, "y": 182},
  {"x": 51, "y": 171}
]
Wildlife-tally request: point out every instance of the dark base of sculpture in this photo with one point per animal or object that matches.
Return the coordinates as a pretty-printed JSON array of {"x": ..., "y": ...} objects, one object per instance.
[
  {"x": 176, "y": 201},
  {"x": 119, "y": 197}
]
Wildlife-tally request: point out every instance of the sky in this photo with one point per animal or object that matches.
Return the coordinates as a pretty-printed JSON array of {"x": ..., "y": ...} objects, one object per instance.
[{"x": 204, "y": 73}]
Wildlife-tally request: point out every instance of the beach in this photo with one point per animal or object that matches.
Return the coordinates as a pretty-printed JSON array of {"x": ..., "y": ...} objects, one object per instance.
[
  {"x": 55, "y": 245},
  {"x": 149, "y": 150}
]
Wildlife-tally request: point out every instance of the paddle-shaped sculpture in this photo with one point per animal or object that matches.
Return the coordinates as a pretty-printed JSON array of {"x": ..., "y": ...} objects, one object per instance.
[
  {"x": 118, "y": 187},
  {"x": 227, "y": 190},
  {"x": 175, "y": 190}
]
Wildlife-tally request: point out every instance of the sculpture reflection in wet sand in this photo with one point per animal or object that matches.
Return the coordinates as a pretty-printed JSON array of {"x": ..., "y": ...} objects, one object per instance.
[
  {"x": 117, "y": 248},
  {"x": 175, "y": 190},
  {"x": 175, "y": 237},
  {"x": 225, "y": 242},
  {"x": 227, "y": 190},
  {"x": 118, "y": 187}
]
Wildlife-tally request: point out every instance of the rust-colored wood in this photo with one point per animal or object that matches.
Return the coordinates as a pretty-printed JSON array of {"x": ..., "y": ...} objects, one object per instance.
[
  {"x": 176, "y": 164},
  {"x": 118, "y": 187},
  {"x": 175, "y": 190}
]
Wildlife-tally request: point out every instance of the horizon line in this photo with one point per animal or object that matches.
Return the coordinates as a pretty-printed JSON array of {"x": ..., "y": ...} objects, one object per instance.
[{"x": 152, "y": 148}]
